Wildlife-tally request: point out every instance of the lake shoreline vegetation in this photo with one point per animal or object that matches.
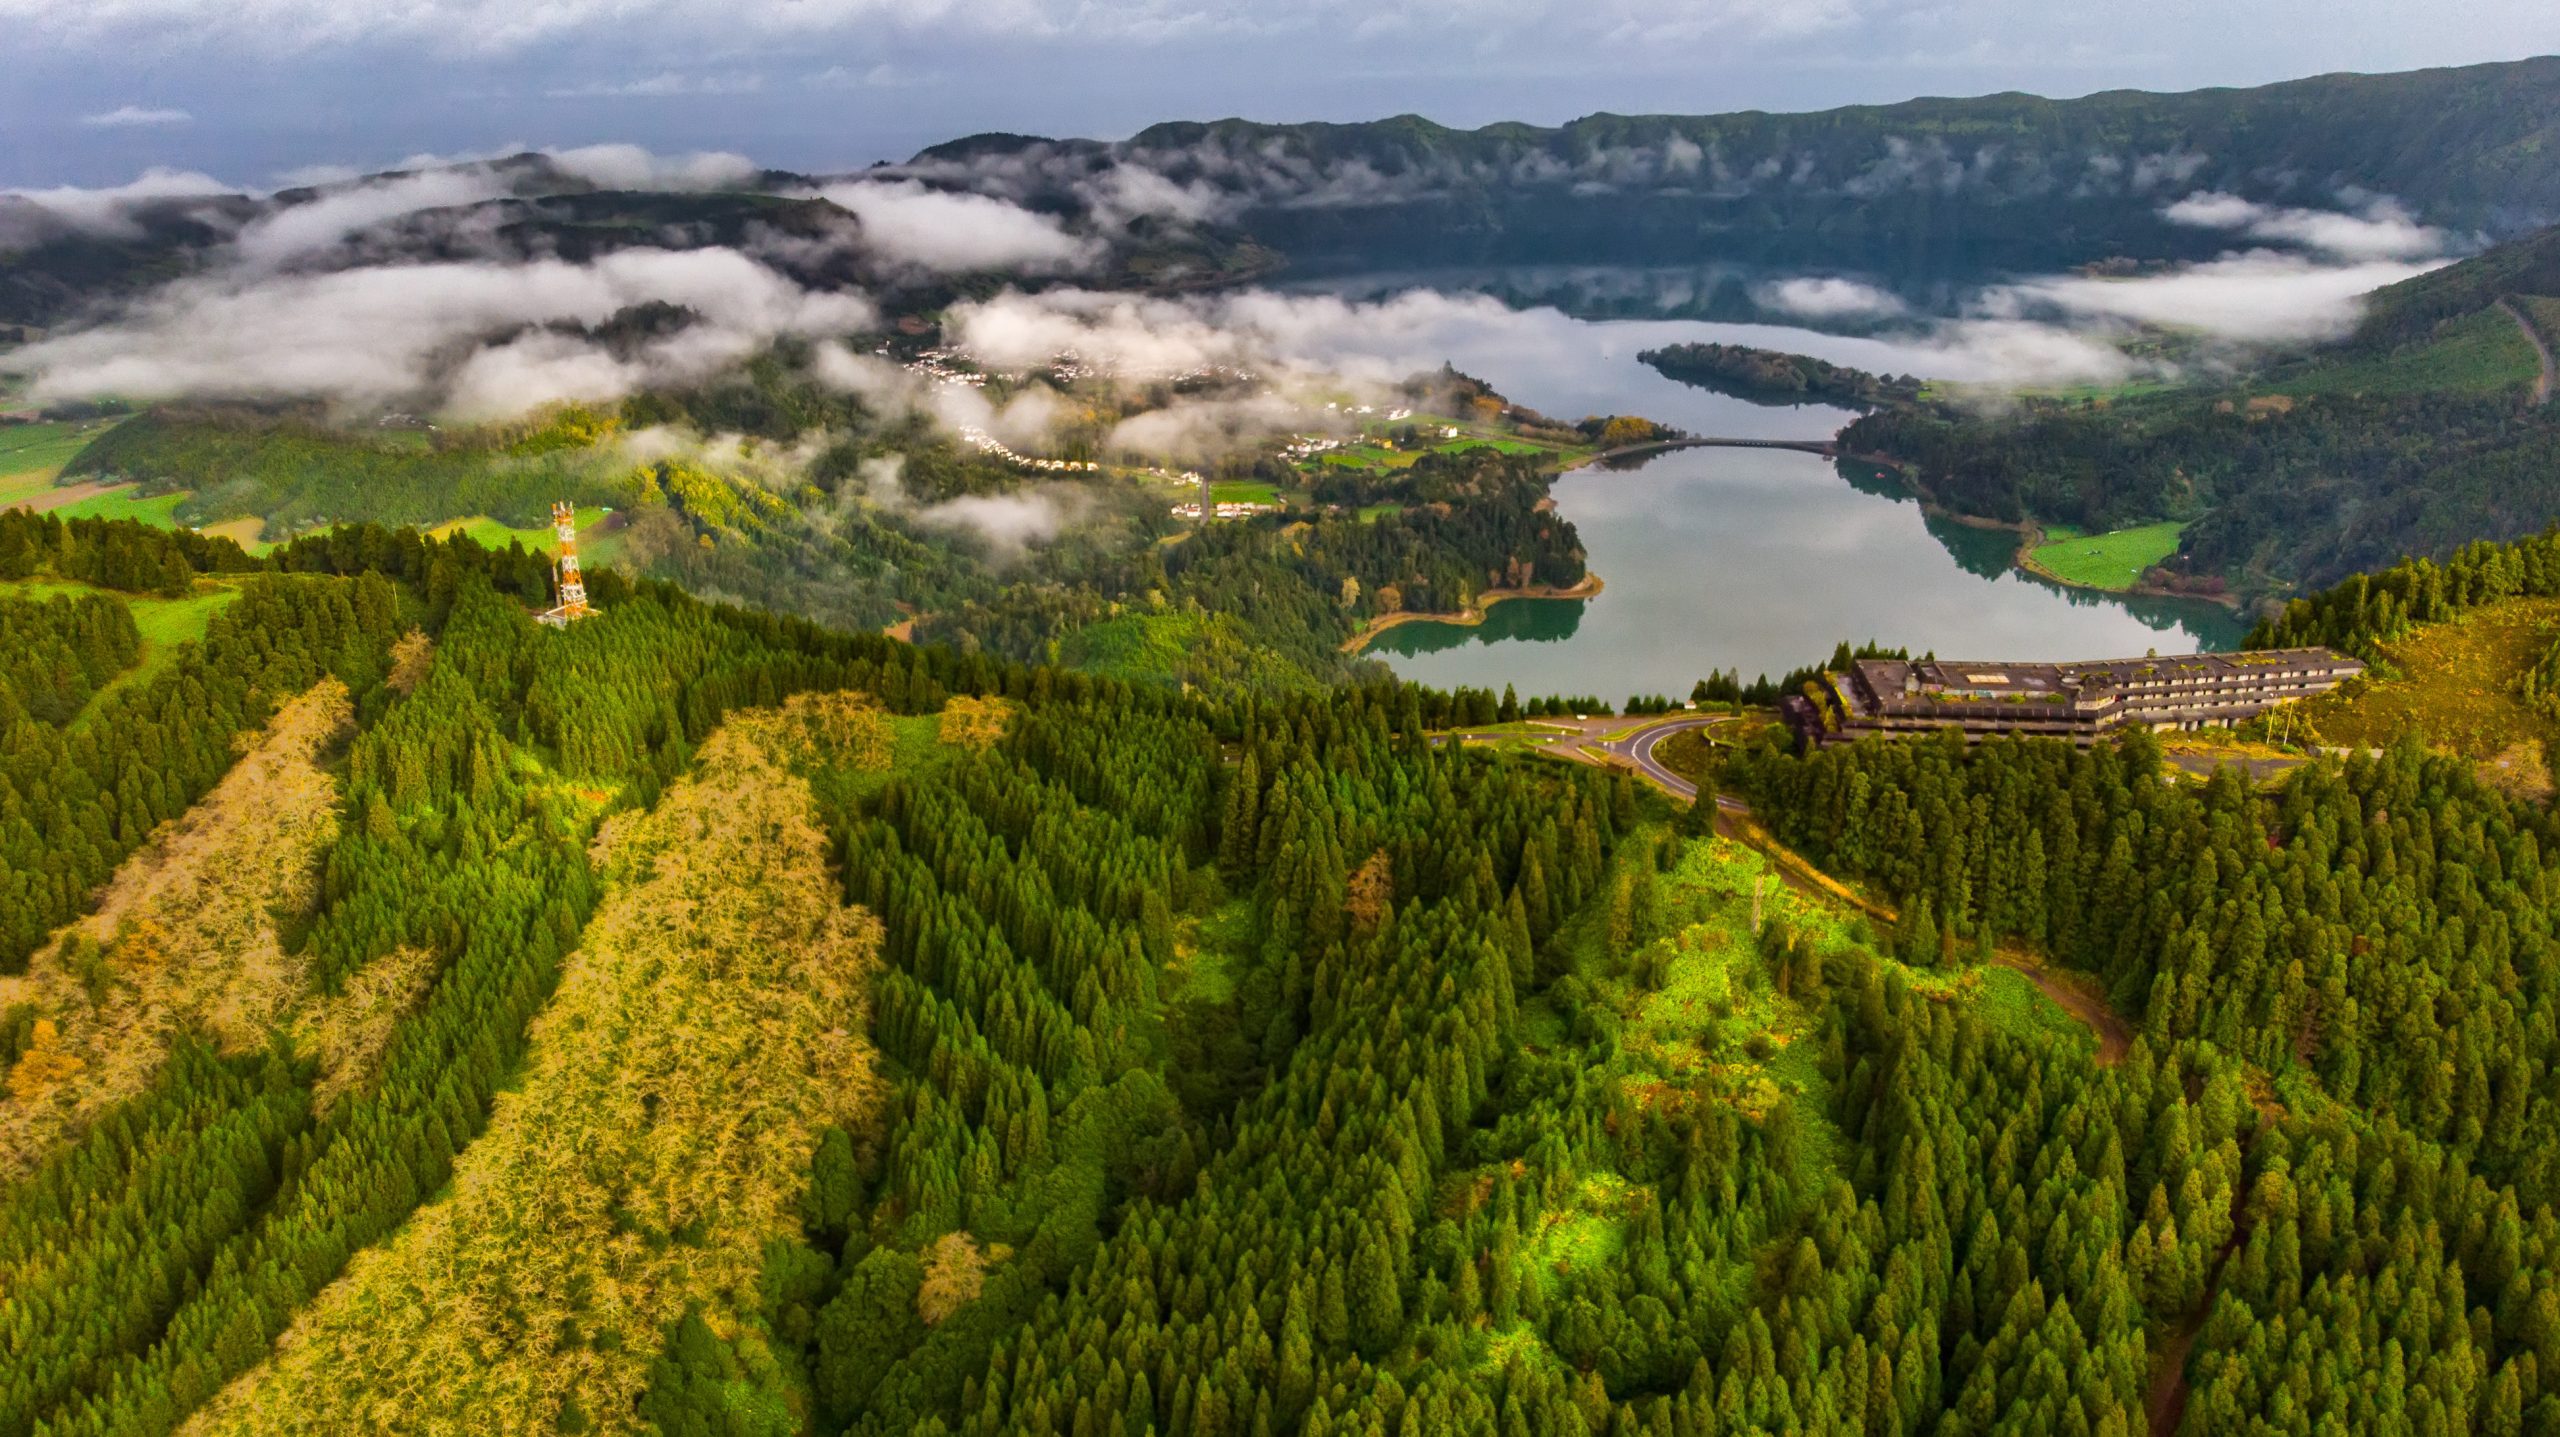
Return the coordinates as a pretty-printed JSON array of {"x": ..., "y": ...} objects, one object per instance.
[
  {"x": 1588, "y": 586},
  {"x": 2426, "y": 417}
]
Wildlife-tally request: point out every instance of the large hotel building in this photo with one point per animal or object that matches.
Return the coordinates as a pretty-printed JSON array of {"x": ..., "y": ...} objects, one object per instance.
[{"x": 2078, "y": 701}]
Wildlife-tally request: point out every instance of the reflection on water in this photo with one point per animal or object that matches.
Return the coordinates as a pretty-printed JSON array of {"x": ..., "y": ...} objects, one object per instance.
[
  {"x": 1761, "y": 560},
  {"x": 1748, "y": 559},
  {"x": 1527, "y": 621}
]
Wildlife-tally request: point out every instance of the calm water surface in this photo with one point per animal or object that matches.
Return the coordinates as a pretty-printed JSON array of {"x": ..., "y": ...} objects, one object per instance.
[{"x": 1753, "y": 560}]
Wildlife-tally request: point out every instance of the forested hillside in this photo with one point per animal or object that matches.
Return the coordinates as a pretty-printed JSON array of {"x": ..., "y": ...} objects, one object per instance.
[
  {"x": 697, "y": 1021},
  {"x": 2419, "y": 434},
  {"x": 1923, "y": 194}
]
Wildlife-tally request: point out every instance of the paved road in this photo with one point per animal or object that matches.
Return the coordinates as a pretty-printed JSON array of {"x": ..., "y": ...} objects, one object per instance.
[{"x": 1638, "y": 747}]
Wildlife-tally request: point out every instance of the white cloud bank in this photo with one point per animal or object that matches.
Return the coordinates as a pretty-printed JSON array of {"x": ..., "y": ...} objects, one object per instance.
[
  {"x": 109, "y": 210},
  {"x": 2258, "y": 297},
  {"x": 333, "y": 217},
  {"x": 419, "y": 334},
  {"x": 1829, "y": 298},
  {"x": 905, "y": 223},
  {"x": 2381, "y": 230}
]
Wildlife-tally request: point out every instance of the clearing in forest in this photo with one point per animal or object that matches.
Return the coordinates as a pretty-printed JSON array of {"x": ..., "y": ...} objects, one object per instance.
[
  {"x": 2459, "y": 685},
  {"x": 711, "y": 1024},
  {"x": 2113, "y": 560},
  {"x": 162, "y": 623},
  {"x": 184, "y": 940}
]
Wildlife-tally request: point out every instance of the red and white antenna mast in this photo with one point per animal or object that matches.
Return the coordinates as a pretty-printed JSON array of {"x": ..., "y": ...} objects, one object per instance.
[{"x": 573, "y": 590}]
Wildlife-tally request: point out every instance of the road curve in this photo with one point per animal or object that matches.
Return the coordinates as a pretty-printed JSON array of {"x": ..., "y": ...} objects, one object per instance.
[{"x": 1637, "y": 749}]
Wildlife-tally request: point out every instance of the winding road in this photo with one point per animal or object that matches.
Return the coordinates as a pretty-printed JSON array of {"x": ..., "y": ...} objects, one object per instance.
[{"x": 2072, "y": 993}]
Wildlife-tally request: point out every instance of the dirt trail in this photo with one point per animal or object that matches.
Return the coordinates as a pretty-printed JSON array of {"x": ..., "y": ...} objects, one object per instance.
[
  {"x": 2543, "y": 385},
  {"x": 2075, "y": 994},
  {"x": 2167, "y": 1401}
]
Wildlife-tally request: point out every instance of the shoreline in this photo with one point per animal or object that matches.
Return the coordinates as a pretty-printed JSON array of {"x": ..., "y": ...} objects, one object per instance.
[
  {"x": 2032, "y": 535},
  {"x": 1590, "y": 586}
]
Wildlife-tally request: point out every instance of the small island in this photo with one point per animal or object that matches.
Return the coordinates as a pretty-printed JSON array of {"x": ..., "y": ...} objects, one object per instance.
[{"x": 1769, "y": 376}]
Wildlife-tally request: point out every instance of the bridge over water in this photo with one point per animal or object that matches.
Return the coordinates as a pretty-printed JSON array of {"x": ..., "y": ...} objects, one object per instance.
[{"x": 1828, "y": 449}]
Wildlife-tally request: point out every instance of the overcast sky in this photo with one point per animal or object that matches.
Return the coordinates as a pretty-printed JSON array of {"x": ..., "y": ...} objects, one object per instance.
[{"x": 92, "y": 91}]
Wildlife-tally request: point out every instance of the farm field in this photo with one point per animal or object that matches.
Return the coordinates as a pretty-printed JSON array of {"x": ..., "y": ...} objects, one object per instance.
[
  {"x": 32, "y": 454},
  {"x": 2113, "y": 560},
  {"x": 157, "y": 510}
]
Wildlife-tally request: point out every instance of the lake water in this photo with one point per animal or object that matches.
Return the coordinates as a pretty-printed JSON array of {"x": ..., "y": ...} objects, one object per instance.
[{"x": 1752, "y": 560}]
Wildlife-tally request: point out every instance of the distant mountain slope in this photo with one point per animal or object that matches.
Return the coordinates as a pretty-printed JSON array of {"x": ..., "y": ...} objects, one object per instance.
[
  {"x": 63, "y": 261},
  {"x": 2417, "y": 435},
  {"x": 2410, "y": 309},
  {"x": 1926, "y": 188}
]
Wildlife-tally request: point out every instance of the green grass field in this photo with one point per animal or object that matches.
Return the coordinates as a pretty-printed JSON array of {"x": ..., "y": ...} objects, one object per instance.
[
  {"x": 1499, "y": 445},
  {"x": 2113, "y": 560},
  {"x": 164, "y": 624},
  {"x": 490, "y": 534},
  {"x": 1243, "y": 491},
  {"x": 159, "y": 510},
  {"x": 28, "y": 448},
  {"x": 2482, "y": 352}
]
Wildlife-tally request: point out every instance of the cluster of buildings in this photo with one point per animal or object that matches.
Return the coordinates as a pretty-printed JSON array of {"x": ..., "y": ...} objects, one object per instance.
[
  {"x": 1224, "y": 510},
  {"x": 1069, "y": 366},
  {"x": 2078, "y": 701},
  {"x": 946, "y": 366},
  {"x": 980, "y": 439}
]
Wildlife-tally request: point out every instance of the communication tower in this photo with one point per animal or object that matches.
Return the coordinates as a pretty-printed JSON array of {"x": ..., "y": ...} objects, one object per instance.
[{"x": 564, "y": 570}]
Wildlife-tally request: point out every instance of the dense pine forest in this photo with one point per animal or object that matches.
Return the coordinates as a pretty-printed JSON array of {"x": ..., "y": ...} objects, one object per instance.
[{"x": 700, "y": 1021}]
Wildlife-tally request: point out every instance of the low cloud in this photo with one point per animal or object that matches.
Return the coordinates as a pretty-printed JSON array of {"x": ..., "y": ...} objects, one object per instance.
[
  {"x": 331, "y": 218},
  {"x": 905, "y": 223},
  {"x": 137, "y": 117},
  {"x": 630, "y": 167},
  {"x": 1829, "y": 298},
  {"x": 1008, "y": 524},
  {"x": 2261, "y": 297},
  {"x": 476, "y": 341},
  {"x": 1196, "y": 430},
  {"x": 110, "y": 210},
  {"x": 2379, "y": 230}
]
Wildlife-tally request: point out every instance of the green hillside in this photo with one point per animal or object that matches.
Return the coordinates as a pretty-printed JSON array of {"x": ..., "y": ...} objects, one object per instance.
[
  {"x": 1917, "y": 192},
  {"x": 696, "y": 1020},
  {"x": 2417, "y": 435}
]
